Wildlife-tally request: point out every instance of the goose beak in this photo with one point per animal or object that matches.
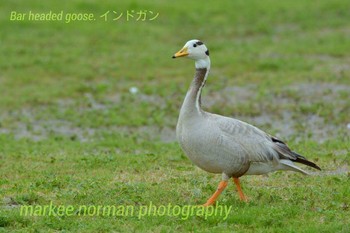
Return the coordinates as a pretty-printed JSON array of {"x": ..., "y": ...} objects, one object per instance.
[{"x": 182, "y": 53}]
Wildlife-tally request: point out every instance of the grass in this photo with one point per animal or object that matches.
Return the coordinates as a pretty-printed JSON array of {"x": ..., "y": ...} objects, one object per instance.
[{"x": 72, "y": 133}]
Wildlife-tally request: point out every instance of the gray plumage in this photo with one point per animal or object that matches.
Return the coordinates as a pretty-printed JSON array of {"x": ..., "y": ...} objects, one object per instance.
[{"x": 220, "y": 144}]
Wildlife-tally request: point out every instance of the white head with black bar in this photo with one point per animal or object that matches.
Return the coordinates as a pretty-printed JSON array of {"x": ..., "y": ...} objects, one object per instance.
[{"x": 196, "y": 50}]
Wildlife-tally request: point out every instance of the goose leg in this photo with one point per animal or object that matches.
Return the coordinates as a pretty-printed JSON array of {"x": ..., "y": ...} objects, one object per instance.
[
  {"x": 240, "y": 192},
  {"x": 221, "y": 187}
]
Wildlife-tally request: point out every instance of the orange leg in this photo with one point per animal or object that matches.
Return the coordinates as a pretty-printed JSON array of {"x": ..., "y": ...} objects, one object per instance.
[
  {"x": 221, "y": 187},
  {"x": 238, "y": 185}
]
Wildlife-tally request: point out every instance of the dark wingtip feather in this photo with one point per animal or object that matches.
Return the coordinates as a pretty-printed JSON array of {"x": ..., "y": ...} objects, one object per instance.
[
  {"x": 284, "y": 150},
  {"x": 303, "y": 160}
]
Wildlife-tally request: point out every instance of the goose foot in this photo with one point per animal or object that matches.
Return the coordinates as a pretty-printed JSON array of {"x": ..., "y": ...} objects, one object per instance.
[
  {"x": 239, "y": 189},
  {"x": 212, "y": 199}
]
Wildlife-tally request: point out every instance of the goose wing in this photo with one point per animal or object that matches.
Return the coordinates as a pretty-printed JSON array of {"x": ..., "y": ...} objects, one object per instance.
[
  {"x": 286, "y": 153},
  {"x": 258, "y": 145},
  {"x": 253, "y": 141}
]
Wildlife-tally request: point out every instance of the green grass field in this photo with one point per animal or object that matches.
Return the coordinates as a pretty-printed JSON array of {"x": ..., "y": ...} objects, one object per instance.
[{"x": 72, "y": 133}]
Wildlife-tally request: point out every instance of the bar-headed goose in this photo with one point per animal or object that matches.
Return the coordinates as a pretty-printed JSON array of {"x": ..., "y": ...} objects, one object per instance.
[{"x": 220, "y": 144}]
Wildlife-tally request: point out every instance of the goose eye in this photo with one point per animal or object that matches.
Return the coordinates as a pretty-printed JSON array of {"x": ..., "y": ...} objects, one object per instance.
[{"x": 194, "y": 45}]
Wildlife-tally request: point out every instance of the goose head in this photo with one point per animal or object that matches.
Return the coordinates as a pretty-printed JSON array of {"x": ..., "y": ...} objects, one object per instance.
[{"x": 196, "y": 50}]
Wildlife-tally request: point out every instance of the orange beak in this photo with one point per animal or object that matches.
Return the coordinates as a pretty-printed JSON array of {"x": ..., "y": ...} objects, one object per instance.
[{"x": 182, "y": 53}]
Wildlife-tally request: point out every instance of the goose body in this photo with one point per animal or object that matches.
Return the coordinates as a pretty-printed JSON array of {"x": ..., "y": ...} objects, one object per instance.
[{"x": 225, "y": 145}]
